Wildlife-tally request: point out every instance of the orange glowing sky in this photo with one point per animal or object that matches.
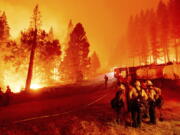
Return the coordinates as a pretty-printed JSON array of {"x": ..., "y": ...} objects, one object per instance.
[{"x": 104, "y": 20}]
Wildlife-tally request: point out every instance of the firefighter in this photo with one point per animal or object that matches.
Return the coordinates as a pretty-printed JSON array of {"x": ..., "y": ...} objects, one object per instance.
[
  {"x": 122, "y": 88},
  {"x": 106, "y": 80},
  {"x": 152, "y": 102},
  {"x": 129, "y": 89},
  {"x": 8, "y": 89},
  {"x": 146, "y": 105},
  {"x": 159, "y": 101},
  {"x": 137, "y": 97},
  {"x": 132, "y": 108},
  {"x": 124, "y": 91},
  {"x": 1, "y": 93},
  {"x": 1, "y": 96},
  {"x": 7, "y": 95},
  {"x": 117, "y": 104}
]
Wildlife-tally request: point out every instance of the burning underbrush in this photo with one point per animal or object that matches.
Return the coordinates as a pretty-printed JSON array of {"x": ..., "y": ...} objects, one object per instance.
[
  {"x": 16, "y": 79},
  {"x": 14, "y": 74}
]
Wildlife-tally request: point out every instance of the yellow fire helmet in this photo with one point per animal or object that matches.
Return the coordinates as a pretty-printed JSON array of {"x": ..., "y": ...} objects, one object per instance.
[
  {"x": 137, "y": 83},
  {"x": 122, "y": 87},
  {"x": 149, "y": 83}
]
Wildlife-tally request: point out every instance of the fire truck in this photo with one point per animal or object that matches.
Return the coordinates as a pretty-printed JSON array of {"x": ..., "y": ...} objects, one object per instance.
[{"x": 153, "y": 71}]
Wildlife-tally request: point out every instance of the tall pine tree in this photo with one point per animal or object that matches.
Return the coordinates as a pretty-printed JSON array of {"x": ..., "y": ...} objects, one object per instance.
[
  {"x": 94, "y": 64},
  {"x": 155, "y": 48},
  {"x": 4, "y": 28},
  {"x": 34, "y": 27},
  {"x": 76, "y": 62}
]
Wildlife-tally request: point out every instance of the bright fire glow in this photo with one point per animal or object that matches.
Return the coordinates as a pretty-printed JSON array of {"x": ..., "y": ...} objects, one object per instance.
[
  {"x": 16, "y": 89},
  {"x": 160, "y": 61},
  {"x": 110, "y": 75},
  {"x": 35, "y": 86},
  {"x": 17, "y": 81}
]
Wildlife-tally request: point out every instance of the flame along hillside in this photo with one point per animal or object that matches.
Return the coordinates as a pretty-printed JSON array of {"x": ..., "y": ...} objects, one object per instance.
[{"x": 40, "y": 59}]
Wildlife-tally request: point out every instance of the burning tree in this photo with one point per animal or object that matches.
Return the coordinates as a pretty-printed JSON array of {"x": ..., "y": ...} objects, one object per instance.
[
  {"x": 155, "y": 48},
  {"x": 76, "y": 62},
  {"x": 4, "y": 33},
  {"x": 163, "y": 26},
  {"x": 174, "y": 11},
  {"x": 4, "y": 39},
  {"x": 142, "y": 37},
  {"x": 4, "y": 28},
  {"x": 131, "y": 39},
  {"x": 94, "y": 64},
  {"x": 67, "y": 38},
  {"x": 35, "y": 26},
  {"x": 41, "y": 45},
  {"x": 47, "y": 51},
  {"x": 151, "y": 33},
  {"x": 137, "y": 38}
]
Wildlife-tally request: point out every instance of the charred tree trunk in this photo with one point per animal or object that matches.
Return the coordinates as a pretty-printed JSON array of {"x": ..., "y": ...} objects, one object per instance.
[
  {"x": 31, "y": 62},
  {"x": 167, "y": 52},
  {"x": 154, "y": 59},
  {"x": 176, "y": 50},
  {"x": 163, "y": 44},
  {"x": 150, "y": 61}
]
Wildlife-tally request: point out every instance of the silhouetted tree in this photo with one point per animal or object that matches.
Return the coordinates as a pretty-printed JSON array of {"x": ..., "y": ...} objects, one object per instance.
[
  {"x": 150, "y": 33},
  {"x": 174, "y": 11},
  {"x": 76, "y": 61},
  {"x": 131, "y": 39},
  {"x": 163, "y": 29},
  {"x": 67, "y": 38},
  {"x": 34, "y": 28},
  {"x": 134, "y": 38},
  {"x": 48, "y": 50},
  {"x": 94, "y": 64},
  {"x": 4, "y": 28},
  {"x": 154, "y": 37},
  {"x": 4, "y": 34},
  {"x": 143, "y": 37}
]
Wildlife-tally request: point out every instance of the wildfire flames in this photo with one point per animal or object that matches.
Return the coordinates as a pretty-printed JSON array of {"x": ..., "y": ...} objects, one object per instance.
[
  {"x": 16, "y": 81},
  {"x": 35, "y": 86},
  {"x": 18, "y": 85}
]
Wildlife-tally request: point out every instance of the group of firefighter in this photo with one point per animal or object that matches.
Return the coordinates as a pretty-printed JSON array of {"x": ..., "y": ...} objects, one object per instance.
[{"x": 138, "y": 100}]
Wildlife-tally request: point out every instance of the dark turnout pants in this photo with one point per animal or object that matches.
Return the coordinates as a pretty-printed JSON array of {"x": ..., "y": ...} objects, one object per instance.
[
  {"x": 152, "y": 112},
  {"x": 119, "y": 114},
  {"x": 136, "y": 114},
  {"x": 136, "y": 117}
]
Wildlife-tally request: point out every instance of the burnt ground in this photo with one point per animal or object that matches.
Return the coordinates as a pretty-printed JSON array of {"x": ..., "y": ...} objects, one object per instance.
[{"x": 82, "y": 109}]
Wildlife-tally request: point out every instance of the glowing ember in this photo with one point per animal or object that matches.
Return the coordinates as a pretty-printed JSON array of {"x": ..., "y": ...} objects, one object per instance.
[{"x": 35, "y": 86}]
